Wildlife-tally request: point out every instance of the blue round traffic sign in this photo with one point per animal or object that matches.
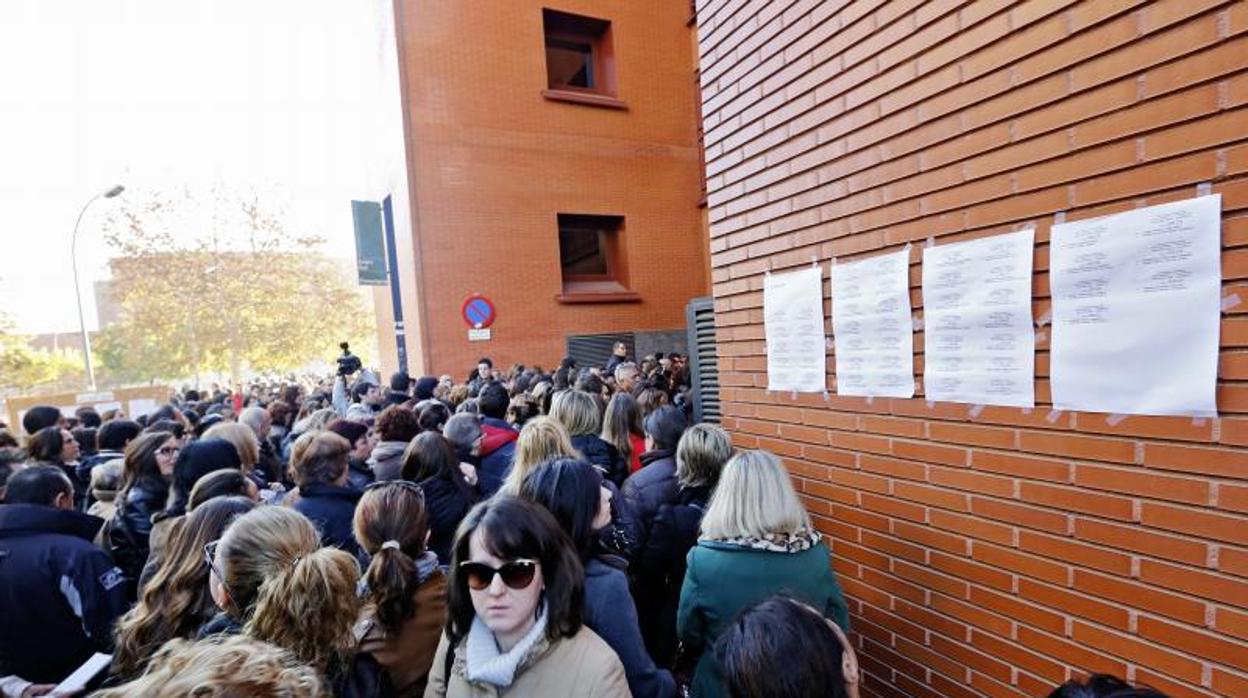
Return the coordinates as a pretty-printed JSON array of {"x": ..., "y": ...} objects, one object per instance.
[{"x": 478, "y": 311}]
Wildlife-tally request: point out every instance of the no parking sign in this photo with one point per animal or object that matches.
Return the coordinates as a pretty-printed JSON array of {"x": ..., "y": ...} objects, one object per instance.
[{"x": 478, "y": 311}]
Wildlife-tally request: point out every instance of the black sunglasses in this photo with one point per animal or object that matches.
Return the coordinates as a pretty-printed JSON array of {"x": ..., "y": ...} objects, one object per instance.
[{"x": 516, "y": 574}]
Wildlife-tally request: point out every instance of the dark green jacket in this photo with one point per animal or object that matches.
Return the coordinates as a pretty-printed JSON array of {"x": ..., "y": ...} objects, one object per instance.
[{"x": 723, "y": 579}]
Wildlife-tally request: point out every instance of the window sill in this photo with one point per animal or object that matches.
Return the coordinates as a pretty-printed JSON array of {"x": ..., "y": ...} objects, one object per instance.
[
  {"x": 588, "y": 98},
  {"x": 596, "y": 292}
]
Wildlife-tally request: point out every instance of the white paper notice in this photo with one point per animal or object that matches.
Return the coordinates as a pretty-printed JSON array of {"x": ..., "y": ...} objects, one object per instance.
[
  {"x": 1136, "y": 310},
  {"x": 871, "y": 322},
  {"x": 793, "y": 325},
  {"x": 979, "y": 341}
]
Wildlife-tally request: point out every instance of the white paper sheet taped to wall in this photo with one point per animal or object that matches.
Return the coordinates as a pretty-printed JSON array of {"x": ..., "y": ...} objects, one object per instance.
[
  {"x": 794, "y": 331},
  {"x": 1136, "y": 310},
  {"x": 979, "y": 346},
  {"x": 872, "y": 326}
]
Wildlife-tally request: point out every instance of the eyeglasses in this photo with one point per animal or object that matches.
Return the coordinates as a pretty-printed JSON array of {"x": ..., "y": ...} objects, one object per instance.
[
  {"x": 169, "y": 450},
  {"x": 516, "y": 574},
  {"x": 210, "y": 557}
]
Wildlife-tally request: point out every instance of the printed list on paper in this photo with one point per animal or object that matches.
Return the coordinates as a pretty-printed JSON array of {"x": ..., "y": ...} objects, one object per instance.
[
  {"x": 979, "y": 343},
  {"x": 1136, "y": 310},
  {"x": 793, "y": 327},
  {"x": 874, "y": 337}
]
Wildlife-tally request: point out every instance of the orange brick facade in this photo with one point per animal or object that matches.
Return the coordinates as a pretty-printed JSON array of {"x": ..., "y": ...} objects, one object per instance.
[
  {"x": 991, "y": 553},
  {"x": 492, "y": 161}
]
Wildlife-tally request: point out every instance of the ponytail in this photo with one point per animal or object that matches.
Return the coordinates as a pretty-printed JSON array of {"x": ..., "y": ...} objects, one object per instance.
[
  {"x": 309, "y": 607},
  {"x": 391, "y": 524},
  {"x": 390, "y": 577}
]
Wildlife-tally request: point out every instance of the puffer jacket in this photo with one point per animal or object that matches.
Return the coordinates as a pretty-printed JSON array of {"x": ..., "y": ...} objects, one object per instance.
[
  {"x": 447, "y": 506},
  {"x": 332, "y": 510},
  {"x": 386, "y": 460},
  {"x": 603, "y": 456},
  {"x": 646, "y": 490},
  {"x": 581, "y": 666}
]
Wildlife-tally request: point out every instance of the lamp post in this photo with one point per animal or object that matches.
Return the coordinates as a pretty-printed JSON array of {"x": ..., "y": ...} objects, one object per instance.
[{"x": 73, "y": 255}]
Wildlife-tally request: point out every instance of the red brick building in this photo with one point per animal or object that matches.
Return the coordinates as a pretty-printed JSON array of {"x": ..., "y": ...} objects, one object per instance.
[
  {"x": 553, "y": 164},
  {"x": 997, "y": 552}
]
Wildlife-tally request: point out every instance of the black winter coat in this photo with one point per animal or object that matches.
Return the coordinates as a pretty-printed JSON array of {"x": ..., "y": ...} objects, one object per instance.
[
  {"x": 59, "y": 594},
  {"x": 602, "y": 455},
  {"x": 332, "y": 510},
  {"x": 646, "y": 490},
  {"x": 447, "y": 506},
  {"x": 659, "y": 570}
]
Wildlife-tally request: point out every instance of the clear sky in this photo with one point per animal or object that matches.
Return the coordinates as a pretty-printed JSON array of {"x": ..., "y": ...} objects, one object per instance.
[{"x": 280, "y": 96}]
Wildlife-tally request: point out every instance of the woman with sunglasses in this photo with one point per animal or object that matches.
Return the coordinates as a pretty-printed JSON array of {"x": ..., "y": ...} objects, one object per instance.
[
  {"x": 404, "y": 589},
  {"x": 146, "y": 478},
  {"x": 176, "y": 602},
  {"x": 516, "y": 600},
  {"x": 576, "y": 493}
]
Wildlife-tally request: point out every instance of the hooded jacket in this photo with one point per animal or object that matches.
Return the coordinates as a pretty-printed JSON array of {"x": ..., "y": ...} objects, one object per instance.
[
  {"x": 498, "y": 448},
  {"x": 59, "y": 594}
]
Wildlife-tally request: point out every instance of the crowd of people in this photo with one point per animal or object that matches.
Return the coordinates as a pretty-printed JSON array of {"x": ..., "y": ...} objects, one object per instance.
[{"x": 521, "y": 533}]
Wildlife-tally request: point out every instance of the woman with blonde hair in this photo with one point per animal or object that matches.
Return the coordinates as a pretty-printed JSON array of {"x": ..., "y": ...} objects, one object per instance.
[
  {"x": 175, "y": 602},
  {"x": 542, "y": 439},
  {"x": 275, "y": 583},
  {"x": 222, "y": 666},
  {"x": 242, "y": 438},
  {"x": 580, "y": 413},
  {"x": 757, "y": 541}
]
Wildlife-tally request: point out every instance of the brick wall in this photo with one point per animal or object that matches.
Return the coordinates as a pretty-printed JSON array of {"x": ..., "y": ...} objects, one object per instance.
[
  {"x": 492, "y": 163},
  {"x": 995, "y": 553}
]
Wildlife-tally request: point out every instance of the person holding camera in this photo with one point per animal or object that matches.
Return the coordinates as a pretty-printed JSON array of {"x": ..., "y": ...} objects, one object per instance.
[{"x": 366, "y": 398}]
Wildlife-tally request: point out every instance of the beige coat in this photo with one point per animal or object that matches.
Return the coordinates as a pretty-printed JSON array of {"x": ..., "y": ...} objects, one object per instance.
[{"x": 580, "y": 666}]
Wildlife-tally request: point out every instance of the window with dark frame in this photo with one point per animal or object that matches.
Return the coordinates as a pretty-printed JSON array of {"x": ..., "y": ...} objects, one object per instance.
[
  {"x": 589, "y": 248},
  {"x": 578, "y": 53}
]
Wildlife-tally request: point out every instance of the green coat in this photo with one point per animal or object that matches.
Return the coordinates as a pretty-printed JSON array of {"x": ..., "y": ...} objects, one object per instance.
[{"x": 723, "y": 579}]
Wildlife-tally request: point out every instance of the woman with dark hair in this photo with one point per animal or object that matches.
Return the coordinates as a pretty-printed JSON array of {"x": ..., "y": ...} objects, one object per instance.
[
  {"x": 433, "y": 415},
  {"x": 574, "y": 492},
  {"x": 516, "y": 600},
  {"x": 817, "y": 659},
  {"x": 222, "y": 483},
  {"x": 431, "y": 461},
  {"x": 621, "y": 427},
  {"x": 176, "y": 601},
  {"x": 404, "y": 589},
  {"x": 146, "y": 476},
  {"x": 656, "y": 483},
  {"x": 396, "y": 427},
  {"x": 55, "y": 445}
]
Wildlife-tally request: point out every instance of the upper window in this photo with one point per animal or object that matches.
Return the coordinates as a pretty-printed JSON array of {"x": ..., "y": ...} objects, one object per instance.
[
  {"x": 588, "y": 245},
  {"x": 579, "y": 55}
]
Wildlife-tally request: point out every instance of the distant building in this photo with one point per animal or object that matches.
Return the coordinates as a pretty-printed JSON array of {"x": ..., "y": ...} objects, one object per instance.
[{"x": 554, "y": 166}]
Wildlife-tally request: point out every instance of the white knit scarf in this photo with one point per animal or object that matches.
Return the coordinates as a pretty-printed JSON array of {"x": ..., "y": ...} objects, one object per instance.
[{"x": 486, "y": 663}]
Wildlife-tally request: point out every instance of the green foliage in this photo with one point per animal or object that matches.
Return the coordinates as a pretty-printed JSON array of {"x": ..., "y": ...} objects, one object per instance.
[
  {"x": 24, "y": 369},
  {"x": 243, "y": 293}
]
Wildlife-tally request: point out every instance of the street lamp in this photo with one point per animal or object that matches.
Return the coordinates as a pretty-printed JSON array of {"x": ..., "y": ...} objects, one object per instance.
[{"x": 73, "y": 255}]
